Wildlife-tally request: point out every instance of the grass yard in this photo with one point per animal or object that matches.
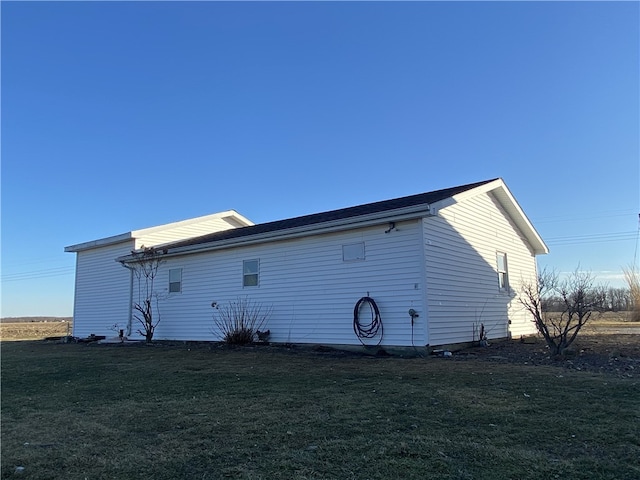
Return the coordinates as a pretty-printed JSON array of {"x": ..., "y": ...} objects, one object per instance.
[{"x": 79, "y": 411}]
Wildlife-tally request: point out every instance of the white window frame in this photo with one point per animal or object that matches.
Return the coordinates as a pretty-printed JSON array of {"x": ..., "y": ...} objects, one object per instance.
[
  {"x": 174, "y": 282},
  {"x": 251, "y": 273},
  {"x": 502, "y": 267}
]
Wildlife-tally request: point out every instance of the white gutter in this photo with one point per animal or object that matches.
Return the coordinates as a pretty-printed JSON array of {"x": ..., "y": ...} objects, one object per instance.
[
  {"x": 407, "y": 213},
  {"x": 130, "y": 316},
  {"x": 102, "y": 242}
]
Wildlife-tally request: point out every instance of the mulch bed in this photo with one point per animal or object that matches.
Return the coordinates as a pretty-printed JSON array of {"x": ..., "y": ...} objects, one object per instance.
[
  {"x": 610, "y": 353},
  {"x": 617, "y": 354}
]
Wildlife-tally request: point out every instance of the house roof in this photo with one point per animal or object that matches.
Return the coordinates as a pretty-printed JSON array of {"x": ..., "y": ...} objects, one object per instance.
[
  {"x": 387, "y": 210},
  {"x": 421, "y": 200}
]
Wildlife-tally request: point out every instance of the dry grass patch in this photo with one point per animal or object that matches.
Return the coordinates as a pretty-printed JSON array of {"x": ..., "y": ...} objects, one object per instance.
[
  {"x": 34, "y": 330},
  {"x": 158, "y": 412}
]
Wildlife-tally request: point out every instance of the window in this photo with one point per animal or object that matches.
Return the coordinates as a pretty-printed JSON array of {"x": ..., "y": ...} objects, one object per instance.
[
  {"x": 353, "y": 252},
  {"x": 503, "y": 275},
  {"x": 175, "y": 280},
  {"x": 250, "y": 271}
]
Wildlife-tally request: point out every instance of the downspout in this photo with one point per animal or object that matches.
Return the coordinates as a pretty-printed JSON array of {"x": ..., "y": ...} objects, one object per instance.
[
  {"x": 423, "y": 275},
  {"x": 130, "y": 316},
  {"x": 75, "y": 297}
]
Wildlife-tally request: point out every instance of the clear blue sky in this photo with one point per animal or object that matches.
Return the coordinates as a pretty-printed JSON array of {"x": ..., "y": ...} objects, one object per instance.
[{"x": 119, "y": 116}]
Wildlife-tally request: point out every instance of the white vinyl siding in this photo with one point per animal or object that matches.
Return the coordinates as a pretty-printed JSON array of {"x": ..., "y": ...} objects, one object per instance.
[
  {"x": 460, "y": 249},
  {"x": 181, "y": 231},
  {"x": 311, "y": 290},
  {"x": 102, "y": 292}
]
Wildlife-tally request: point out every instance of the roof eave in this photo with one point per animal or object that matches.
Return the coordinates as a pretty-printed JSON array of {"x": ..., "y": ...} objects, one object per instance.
[
  {"x": 102, "y": 242},
  {"x": 407, "y": 213},
  {"x": 508, "y": 201},
  {"x": 503, "y": 195}
]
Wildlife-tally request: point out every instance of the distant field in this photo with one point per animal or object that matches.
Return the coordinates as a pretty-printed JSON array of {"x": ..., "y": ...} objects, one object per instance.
[
  {"x": 623, "y": 317},
  {"x": 35, "y": 330},
  {"x": 34, "y": 319}
]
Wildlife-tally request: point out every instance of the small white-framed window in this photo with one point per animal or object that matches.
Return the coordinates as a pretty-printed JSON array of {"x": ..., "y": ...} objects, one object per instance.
[
  {"x": 175, "y": 280},
  {"x": 503, "y": 273},
  {"x": 250, "y": 273},
  {"x": 353, "y": 252}
]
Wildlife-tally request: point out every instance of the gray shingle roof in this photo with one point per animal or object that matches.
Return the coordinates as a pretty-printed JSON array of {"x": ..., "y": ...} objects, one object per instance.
[{"x": 319, "y": 218}]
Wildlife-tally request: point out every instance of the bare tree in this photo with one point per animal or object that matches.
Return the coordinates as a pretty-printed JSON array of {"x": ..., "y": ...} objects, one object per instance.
[
  {"x": 145, "y": 266},
  {"x": 619, "y": 299},
  {"x": 600, "y": 298},
  {"x": 632, "y": 276},
  {"x": 577, "y": 299}
]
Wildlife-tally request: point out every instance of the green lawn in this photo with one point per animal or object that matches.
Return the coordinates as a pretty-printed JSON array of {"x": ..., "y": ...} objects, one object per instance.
[{"x": 88, "y": 411}]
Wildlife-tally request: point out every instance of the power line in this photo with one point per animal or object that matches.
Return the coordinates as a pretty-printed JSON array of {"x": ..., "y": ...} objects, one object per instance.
[
  {"x": 35, "y": 274},
  {"x": 629, "y": 233},
  {"x": 586, "y": 242},
  {"x": 573, "y": 218},
  {"x": 12, "y": 262}
]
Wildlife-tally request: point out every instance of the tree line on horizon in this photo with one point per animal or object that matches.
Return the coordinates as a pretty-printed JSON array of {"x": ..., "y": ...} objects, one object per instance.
[
  {"x": 604, "y": 299},
  {"x": 35, "y": 319}
]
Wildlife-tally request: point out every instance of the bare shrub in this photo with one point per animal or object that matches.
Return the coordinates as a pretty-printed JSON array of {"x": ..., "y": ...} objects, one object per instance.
[
  {"x": 575, "y": 299},
  {"x": 238, "y": 321}
]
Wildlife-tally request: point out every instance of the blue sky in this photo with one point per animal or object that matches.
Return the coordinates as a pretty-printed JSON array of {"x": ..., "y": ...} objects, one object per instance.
[{"x": 124, "y": 115}]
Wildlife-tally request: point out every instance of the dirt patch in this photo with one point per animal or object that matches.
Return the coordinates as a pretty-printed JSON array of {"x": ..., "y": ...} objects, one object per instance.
[{"x": 611, "y": 353}]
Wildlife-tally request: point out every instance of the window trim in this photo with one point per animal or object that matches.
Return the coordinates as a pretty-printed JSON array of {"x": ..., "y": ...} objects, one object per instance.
[
  {"x": 246, "y": 274},
  {"x": 178, "y": 269}
]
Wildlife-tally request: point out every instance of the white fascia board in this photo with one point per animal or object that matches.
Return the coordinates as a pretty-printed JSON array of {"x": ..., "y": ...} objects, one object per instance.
[
  {"x": 101, "y": 242},
  {"x": 237, "y": 217},
  {"x": 378, "y": 218},
  {"x": 510, "y": 204},
  {"x": 447, "y": 202},
  {"x": 503, "y": 195},
  {"x": 191, "y": 221}
]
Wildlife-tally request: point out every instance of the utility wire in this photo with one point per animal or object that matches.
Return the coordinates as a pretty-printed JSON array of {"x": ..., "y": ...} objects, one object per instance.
[
  {"x": 594, "y": 235},
  {"x": 578, "y": 218},
  {"x": 13, "y": 261},
  {"x": 35, "y": 274},
  {"x": 592, "y": 238}
]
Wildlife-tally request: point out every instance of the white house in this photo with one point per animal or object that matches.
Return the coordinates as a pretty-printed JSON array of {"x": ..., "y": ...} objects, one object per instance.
[{"x": 455, "y": 258}]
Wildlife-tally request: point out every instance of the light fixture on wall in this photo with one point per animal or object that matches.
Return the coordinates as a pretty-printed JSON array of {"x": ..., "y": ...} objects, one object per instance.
[{"x": 392, "y": 226}]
